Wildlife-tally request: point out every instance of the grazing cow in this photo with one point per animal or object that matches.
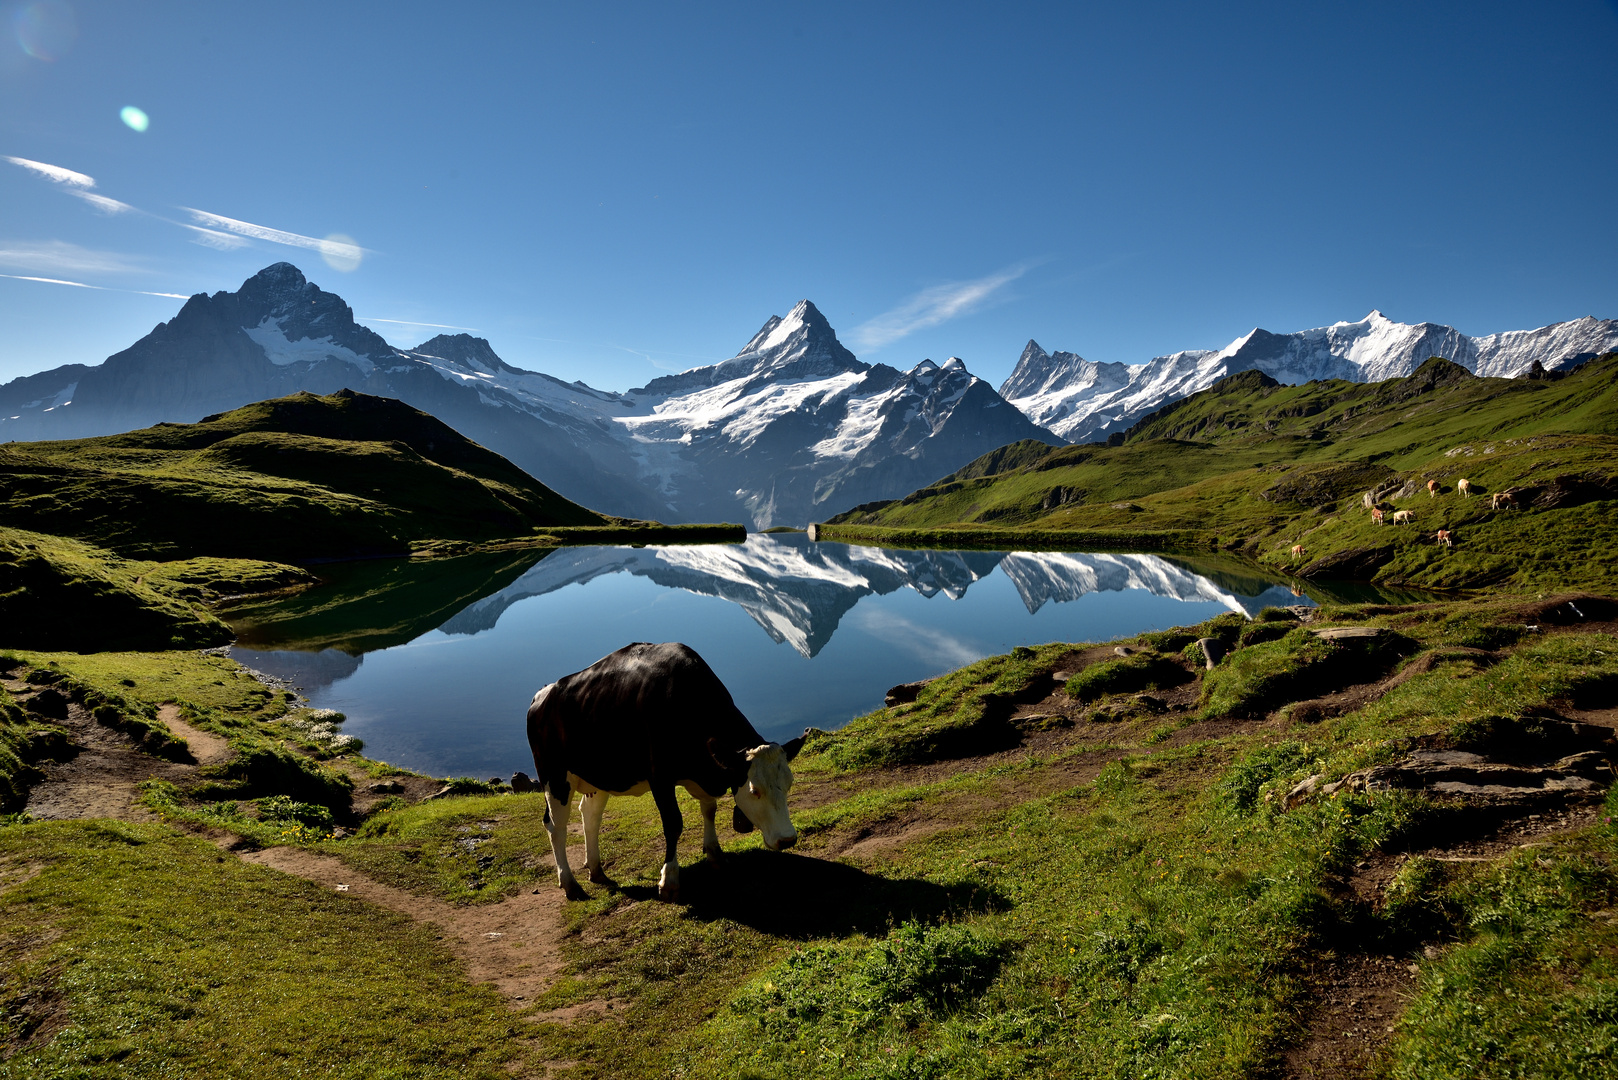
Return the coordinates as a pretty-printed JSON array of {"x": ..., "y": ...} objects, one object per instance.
[
  {"x": 651, "y": 718},
  {"x": 1432, "y": 489},
  {"x": 1376, "y": 514},
  {"x": 1502, "y": 499},
  {"x": 1443, "y": 538},
  {"x": 1403, "y": 517},
  {"x": 1297, "y": 552},
  {"x": 1464, "y": 486}
]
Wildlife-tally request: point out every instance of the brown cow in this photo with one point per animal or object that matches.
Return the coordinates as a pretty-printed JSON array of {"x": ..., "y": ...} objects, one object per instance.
[
  {"x": 1432, "y": 489},
  {"x": 1443, "y": 538},
  {"x": 1376, "y": 514},
  {"x": 1501, "y": 499},
  {"x": 1298, "y": 552}
]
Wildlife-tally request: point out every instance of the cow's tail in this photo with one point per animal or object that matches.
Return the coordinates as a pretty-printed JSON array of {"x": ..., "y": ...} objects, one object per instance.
[{"x": 536, "y": 743}]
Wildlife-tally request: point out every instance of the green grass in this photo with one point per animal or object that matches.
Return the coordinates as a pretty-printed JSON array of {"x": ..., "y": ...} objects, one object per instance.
[
  {"x": 1126, "y": 675},
  {"x": 64, "y": 594},
  {"x": 131, "y": 950}
]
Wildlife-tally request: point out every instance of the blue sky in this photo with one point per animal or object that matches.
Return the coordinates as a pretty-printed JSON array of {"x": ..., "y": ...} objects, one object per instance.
[{"x": 608, "y": 192}]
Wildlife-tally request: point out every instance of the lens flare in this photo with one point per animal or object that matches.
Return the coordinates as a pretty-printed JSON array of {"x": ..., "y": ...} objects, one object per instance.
[
  {"x": 341, "y": 252},
  {"x": 136, "y": 119},
  {"x": 45, "y": 30}
]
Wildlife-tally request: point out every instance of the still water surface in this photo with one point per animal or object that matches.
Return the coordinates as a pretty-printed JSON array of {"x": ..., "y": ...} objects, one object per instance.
[{"x": 434, "y": 663}]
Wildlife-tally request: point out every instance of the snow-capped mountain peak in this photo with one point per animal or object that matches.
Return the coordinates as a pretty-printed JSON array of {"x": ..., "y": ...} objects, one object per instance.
[
  {"x": 1080, "y": 402},
  {"x": 802, "y": 345}
]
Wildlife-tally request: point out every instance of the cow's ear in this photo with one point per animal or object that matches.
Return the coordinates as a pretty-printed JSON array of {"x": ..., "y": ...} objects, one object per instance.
[
  {"x": 740, "y": 821},
  {"x": 732, "y": 761},
  {"x": 790, "y": 749}
]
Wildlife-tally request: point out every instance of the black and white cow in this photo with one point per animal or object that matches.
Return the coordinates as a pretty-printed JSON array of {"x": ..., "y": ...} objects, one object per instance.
[{"x": 649, "y": 718}]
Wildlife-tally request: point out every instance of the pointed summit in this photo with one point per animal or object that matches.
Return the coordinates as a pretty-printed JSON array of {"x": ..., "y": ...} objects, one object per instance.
[{"x": 801, "y": 346}]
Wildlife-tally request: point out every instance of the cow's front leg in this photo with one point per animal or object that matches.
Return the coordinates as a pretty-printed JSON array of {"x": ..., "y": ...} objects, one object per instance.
[
  {"x": 668, "y": 808},
  {"x": 710, "y": 835},
  {"x": 591, "y": 807},
  {"x": 556, "y": 818}
]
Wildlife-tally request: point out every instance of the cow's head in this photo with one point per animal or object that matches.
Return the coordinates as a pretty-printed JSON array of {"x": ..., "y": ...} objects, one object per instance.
[{"x": 763, "y": 779}]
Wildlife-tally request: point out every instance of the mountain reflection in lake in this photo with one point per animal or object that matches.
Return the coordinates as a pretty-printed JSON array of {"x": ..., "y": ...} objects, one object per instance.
[{"x": 434, "y": 663}]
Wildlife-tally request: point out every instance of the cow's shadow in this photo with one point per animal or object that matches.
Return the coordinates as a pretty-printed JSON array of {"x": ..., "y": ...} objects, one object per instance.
[{"x": 800, "y": 896}]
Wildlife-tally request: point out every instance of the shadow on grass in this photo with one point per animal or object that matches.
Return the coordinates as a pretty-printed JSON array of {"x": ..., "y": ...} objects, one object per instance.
[{"x": 802, "y": 897}]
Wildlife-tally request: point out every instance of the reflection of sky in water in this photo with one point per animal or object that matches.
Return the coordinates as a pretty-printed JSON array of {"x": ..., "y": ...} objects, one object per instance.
[{"x": 814, "y": 645}]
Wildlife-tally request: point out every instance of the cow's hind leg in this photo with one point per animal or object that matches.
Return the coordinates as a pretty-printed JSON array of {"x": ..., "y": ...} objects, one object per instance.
[
  {"x": 591, "y": 807},
  {"x": 556, "y": 818},
  {"x": 668, "y": 808}
]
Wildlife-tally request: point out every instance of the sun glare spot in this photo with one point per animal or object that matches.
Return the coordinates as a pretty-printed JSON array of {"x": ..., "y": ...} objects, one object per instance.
[
  {"x": 136, "y": 119},
  {"x": 45, "y": 30},
  {"x": 341, "y": 252}
]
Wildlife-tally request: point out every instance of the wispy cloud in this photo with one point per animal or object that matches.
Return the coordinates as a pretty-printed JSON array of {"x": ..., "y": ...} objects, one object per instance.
[
  {"x": 931, "y": 307},
  {"x": 55, "y": 173},
  {"x": 97, "y": 288},
  {"x": 60, "y": 257},
  {"x": 219, "y": 241},
  {"x": 102, "y": 203},
  {"x": 251, "y": 231},
  {"x": 340, "y": 252},
  {"x": 413, "y": 322}
]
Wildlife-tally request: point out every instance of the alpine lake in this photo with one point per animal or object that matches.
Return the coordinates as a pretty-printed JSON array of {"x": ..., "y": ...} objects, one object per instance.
[{"x": 434, "y": 662}]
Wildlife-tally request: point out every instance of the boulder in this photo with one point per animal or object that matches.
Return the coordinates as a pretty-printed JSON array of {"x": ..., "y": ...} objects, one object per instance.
[{"x": 51, "y": 704}]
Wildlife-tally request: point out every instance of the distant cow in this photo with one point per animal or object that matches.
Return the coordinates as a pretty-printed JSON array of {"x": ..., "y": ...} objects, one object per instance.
[
  {"x": 1432, "y": 489},
  {"x": 1376, "y": 514},
  {"x": 1443, "y": 538},
  {"x": 1464, "y": 486},
  {"x": 650, "y": 718},
  {"x": 1502, "y": 499},
  {"x": 1297, "y": 552},
  {"x": 1403, "y": 517}
]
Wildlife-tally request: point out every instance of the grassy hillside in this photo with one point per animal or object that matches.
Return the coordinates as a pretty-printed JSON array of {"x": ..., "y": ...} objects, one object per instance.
[
  {"x": 1254, "y": 467},
  {"x": 57, "y": 593},
  {"x": 296, "y": 479}
]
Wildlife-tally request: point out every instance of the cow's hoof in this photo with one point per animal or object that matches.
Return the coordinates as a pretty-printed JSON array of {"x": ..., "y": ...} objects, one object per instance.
[
  {"x": 715, "y": 858},
  {"x": 599, "y": 877},
  {"x": 669, "y": 894}
]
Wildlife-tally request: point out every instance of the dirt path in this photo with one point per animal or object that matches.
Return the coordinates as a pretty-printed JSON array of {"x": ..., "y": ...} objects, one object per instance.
[
  {"x": 207, "y": 749},
  {"x": 101, "y": 779},
  {"x": 1357, "y": 998},
  {"x": 514, "y": 945}
]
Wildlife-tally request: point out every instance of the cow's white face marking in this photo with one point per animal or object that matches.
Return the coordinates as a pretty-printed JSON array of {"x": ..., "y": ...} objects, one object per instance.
[{"x": 764, "y": 797}]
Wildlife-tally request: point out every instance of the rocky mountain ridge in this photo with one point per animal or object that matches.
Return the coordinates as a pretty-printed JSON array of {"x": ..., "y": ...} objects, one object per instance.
[{"x": 1084, "y": 401}]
